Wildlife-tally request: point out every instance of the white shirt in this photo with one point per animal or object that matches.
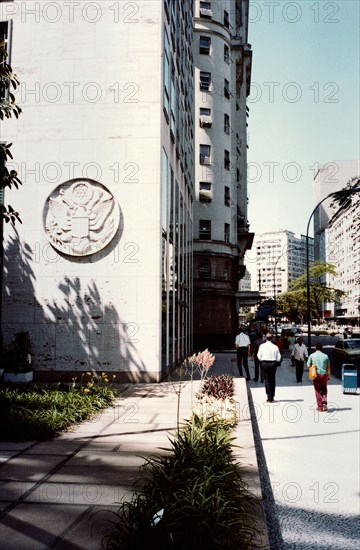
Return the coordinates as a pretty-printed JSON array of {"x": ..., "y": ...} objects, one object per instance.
[
  {"x": 300, "y": 352},
  {"x": 242, "y": 340},
  {"x": 269, "y": 352}
]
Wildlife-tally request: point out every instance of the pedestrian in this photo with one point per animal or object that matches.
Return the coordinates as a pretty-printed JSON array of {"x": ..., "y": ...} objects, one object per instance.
[
  {"x": 322, "y": 363},
  {"x": 279, "y": 343},
  {"x": 291, "y": 340},
  {"x": 254, "y": 350},
  {"x": 270, "y": 357},
  {"x": 299, "y": 354},
  {"x": 242, "y": 344}
]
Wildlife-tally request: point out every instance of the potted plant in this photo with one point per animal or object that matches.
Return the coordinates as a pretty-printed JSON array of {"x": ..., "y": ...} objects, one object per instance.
[{"x": 17, "y": 360}]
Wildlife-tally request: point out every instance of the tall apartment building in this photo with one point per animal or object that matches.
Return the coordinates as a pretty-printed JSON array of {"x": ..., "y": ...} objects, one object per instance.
[
  {"x": 100, "y": 271},
  {"x": 280, "y": 258},
  {"x": 222, "y": 59},
  {"x": 329, "y": 177},
  {"x": 336, "y": 237},
  {"x": 343, "y": 250}
]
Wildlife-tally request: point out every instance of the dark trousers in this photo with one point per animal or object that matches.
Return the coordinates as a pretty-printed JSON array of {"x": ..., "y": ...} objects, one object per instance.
[
  {"x": 258, "y": 370},
  {"x": 299, "y": 369},
  {"x": 320, "y": 385},
  {"x": 269, "y": 374},
  {"x": 242, "y": 360}
]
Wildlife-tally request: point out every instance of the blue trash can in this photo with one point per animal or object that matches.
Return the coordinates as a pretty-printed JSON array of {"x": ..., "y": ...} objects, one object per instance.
[{"x": 350, "y": 378}]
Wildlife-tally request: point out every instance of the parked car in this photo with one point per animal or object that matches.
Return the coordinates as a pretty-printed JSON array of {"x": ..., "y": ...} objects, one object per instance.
[{"x": 347, "y": 351}]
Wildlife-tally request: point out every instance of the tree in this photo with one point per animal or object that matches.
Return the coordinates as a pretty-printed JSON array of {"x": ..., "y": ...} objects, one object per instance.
[
  {"x": 8, "y": 108},
  {"x": 294, "y": 301}
]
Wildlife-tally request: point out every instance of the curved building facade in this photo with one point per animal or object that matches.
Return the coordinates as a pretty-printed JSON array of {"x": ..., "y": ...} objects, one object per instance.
[{"x": 222, "y": 59}]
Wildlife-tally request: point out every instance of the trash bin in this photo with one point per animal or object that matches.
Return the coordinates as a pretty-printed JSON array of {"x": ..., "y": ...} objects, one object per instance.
[{"x": 350, "y": 378}]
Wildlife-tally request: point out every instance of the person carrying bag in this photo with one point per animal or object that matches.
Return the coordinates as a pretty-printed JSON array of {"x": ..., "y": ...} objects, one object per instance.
[{"x": 319, "y": 372}]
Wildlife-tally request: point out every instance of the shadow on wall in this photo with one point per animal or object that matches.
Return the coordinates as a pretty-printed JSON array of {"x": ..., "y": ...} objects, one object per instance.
[{"x": 72, "y": 333}]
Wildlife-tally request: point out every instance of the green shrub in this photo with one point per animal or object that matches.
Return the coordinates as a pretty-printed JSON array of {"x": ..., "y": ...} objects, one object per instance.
[
  {"x": 193, "y": 499},
  {"x": 38, "y": 413}
]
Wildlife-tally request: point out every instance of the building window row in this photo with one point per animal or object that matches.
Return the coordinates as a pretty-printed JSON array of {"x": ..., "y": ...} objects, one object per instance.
[
  {"x": 205, "y": 231},
  {"x": 206, "y": 195},
  {"x": 205, "y": 48},
  {"x": 207, "y": 86},
  {"x": 206, "y": 12},
  {"x": 205, "y": 271}
]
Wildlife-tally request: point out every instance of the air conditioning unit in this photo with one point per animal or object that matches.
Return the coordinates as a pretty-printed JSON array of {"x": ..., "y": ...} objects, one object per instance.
[
  {"x": 205, "y": 159},
  {"x": 205, "y": 195},
  {"x": 205, "y": 120},
  {"x": 205, "y": 12}
]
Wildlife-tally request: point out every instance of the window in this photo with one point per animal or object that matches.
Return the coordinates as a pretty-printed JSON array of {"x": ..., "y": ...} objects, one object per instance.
[
  {"x": 205, "y": 229},
  {"x": 226, "y": 160},
  {"x": 226, "y": 232},
  {"x": 205, "y": 10},
  {"x": 226, "y": 54},
  {"x": 173, "y": 109},
  {"x": 204, "y": 45},
  {"x": 205, "y": 269},
  {"x": 205, "y": 191},
  {"x": 227, "y": 92},
  {"x": 205, "y": 117},
  {"x": 205, "y": 81},
  {"x": 166, "y": 75},
  {"x": 227, "y": 196},
  {"x": 205, "y": 153},
  {"x": 226, "y": 19},
  {"x": 4, "y": 31},
  {"x": 226, "y": 124}
]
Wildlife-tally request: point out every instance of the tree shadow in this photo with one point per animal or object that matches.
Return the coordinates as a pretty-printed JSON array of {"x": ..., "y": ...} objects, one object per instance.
[{"x": 74, "y": 330}]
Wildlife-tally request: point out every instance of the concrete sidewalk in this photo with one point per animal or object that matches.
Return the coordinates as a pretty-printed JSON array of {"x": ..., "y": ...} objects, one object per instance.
[{"x": 60, "y": 493}]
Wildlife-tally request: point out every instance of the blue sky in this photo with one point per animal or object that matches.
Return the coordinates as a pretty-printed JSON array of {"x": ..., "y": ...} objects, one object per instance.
[{"x": 304, "y": 103}]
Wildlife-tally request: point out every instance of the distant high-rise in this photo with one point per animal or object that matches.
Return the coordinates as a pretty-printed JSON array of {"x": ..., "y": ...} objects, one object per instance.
[
  {"x": 343, "y": 251},
  {"x": 329, "y": 177},
  {"x": 280, "y": 258}
]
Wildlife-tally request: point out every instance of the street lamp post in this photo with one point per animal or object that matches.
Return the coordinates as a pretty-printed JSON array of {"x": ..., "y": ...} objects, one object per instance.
[
  {"x": 274, "y": 289},
  {"x": 348, "y": 192}
]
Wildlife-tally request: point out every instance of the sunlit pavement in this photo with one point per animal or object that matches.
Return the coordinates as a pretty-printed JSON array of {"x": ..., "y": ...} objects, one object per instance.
[
  {"x": 309, "y": 463},
  {"x": 61, "y": 494}
]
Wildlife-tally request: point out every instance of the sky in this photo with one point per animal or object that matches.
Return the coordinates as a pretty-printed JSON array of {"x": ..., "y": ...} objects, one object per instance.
[{"x": 304, "y": 104}]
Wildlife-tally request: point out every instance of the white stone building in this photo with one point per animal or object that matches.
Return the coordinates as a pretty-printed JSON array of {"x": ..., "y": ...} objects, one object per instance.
[
  {"x": 100, "y": 271},
  {"x": 343, "y": 239},
  {"x": 280, "y": 258},
  {"x": 329, "y": 177},
  {"x": 336, "y": 237}
]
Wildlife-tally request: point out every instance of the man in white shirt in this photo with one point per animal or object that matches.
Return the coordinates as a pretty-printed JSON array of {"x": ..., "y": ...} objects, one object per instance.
[
  {"x": 270, "y": 357},
  {"x": 242, "y": 344},
  {"x": 300, "y": 354}
]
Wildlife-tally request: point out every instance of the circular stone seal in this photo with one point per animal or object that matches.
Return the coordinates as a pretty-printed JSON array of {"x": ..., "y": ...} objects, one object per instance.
[{"x": 81, "y": 217}]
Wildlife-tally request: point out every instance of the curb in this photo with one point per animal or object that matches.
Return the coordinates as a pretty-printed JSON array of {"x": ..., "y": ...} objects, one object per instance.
[{"x": 245, "y": 453}]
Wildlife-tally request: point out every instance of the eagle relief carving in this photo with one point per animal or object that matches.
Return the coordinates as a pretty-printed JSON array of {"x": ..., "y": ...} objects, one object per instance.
[{"x": 81, "y": 217}]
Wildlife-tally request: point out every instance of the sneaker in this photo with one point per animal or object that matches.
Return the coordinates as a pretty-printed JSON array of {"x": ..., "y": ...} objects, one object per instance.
[{"x": 324, "y": 407}]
